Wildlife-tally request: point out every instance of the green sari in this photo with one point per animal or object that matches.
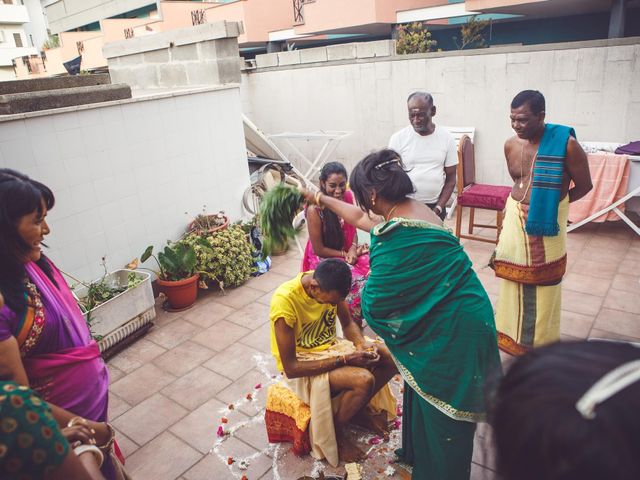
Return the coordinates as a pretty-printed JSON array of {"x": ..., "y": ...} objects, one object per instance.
[{"x": 426, "y": 302}]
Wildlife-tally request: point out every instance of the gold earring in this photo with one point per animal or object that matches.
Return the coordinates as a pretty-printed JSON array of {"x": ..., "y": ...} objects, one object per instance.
[{"x": 373, "y": 201}]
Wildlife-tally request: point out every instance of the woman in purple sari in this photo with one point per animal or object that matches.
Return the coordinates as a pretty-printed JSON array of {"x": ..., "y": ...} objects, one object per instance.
[{"x": 44, "y": 340}]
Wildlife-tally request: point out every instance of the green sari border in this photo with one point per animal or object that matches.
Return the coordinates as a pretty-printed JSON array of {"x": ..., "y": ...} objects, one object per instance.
[
  {"x": 440, "y": 405},
  {"x": 394, "y": 222}
]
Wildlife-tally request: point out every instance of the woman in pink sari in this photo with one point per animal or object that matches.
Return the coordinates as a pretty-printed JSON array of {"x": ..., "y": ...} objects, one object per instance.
[
  {"x": 331, "y": 237},
  {"x": 44, "y": 340}
]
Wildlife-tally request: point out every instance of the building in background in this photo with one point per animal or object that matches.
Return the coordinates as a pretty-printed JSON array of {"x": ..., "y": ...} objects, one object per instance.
[
  {"x": 37, "y": 28},
  {"x": 275, "y": 25},
  {"x": 16, "y": 45}
]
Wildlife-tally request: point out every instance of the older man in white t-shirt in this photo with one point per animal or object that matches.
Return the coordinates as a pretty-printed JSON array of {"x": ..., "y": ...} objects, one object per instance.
[{"x": 429, "y": 153}]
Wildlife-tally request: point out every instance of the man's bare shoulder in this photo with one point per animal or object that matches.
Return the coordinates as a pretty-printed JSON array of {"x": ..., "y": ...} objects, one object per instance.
[
  {"x": 510, "y": 144},
  {"x": 573, "y": 146}
]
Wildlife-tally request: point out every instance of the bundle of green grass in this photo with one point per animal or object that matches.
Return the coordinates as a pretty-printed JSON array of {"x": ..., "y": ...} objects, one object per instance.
[{"x": 278, "y": 208}]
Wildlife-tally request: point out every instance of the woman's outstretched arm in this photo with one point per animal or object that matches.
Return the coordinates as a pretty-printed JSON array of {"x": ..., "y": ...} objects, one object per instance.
[{"x": 351, "y": 214}]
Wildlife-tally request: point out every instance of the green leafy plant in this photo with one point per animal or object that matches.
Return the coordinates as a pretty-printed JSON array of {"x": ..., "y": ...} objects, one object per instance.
[
  {"x": 176, "y": 262},
  {"x": 247, "y": 225},
  {"x": 278, "y": 208},
  {"x": 224, "y": 256},
  {"x": 414, "y": 38},
  {"x": 100, "y": 292},
  {"x": 52, "y": 42},
  {"x": 472, "y": 34}
]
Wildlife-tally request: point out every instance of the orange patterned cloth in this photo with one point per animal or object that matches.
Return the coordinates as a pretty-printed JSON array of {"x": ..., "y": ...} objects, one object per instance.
[
  {"x": 287, "y": 419},
  {"x": 610, "y": 178}
]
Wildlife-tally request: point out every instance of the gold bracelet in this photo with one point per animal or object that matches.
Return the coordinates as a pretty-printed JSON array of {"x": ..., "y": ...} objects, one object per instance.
[
  {"x": 318, "y": 195},
  {"x": 106, "y": 448}
]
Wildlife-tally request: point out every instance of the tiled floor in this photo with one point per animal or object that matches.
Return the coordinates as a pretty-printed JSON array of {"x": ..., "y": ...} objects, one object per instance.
[{"x": 170, "y": 389}]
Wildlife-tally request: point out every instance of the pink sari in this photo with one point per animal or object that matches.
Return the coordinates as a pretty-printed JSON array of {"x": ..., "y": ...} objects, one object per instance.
[
  {"x": 72, "y": 376},
  {"x": 359, "y": 271}
]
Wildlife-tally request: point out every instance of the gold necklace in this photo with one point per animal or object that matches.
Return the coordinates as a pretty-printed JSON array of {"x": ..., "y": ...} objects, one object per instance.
[
  {"x": 393, "y": 209},
  {"x": 533, "y": 162}
]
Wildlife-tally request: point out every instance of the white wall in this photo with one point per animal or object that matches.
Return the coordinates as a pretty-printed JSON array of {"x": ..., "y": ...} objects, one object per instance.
[
  {"x": 589, "y": 85},
  {"x": 8, "y": 49},
  {"x": 124, "y": 175},
  {"x": 7, "y": 73},
  {"x": 65, "y": 15},
  {"x": 37, "y": 26}
]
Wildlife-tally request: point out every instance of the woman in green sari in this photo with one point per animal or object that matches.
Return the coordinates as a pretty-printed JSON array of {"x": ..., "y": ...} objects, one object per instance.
[{"x": 425, "y": 301}]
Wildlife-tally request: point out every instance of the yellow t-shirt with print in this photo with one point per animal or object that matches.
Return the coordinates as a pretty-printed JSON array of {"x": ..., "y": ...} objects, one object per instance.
[{"x": 314, "y": 323}]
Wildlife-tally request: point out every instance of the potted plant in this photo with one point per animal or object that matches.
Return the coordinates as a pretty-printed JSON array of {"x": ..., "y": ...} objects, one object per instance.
[
  {"x": 225, "y": 256},
  {"x": 208, "y": 224},
  {"x": 117, "y": 307},
  {"x": 177, "y": 277}
]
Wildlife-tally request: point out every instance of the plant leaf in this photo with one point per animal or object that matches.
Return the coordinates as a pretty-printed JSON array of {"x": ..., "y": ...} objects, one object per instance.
[{"x": 147, "y": 254}]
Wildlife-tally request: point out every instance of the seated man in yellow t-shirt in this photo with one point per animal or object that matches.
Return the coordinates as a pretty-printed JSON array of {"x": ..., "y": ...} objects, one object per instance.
[{"x": 303, "y": 341}]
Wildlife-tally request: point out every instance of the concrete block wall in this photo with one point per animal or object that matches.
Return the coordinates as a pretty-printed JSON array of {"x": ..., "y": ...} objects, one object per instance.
[
  {"x": 202, "y": 55},
  {"x": 592, "y": 86},
  {"x": 348, "y": 51}
]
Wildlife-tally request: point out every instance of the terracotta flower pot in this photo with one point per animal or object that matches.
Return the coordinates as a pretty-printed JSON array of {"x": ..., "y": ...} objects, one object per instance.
[{"x": 180, "y": 294}]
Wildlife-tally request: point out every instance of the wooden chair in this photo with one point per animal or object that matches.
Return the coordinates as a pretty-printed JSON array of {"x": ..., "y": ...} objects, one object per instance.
[{"x": 476, "y": 195}]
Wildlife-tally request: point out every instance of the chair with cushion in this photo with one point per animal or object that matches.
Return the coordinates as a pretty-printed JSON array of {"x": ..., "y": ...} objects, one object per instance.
[{"x": 474, "y": 195}]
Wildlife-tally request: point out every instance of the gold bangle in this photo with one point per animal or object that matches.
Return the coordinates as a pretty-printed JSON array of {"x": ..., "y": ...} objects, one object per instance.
[
  {"x": 106, "y": 448},
  {"x": 318, "y": 195},
  {"x": 99, "y": 456}
]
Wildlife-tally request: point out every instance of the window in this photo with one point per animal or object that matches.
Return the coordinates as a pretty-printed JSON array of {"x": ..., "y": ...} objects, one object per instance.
[{"x": 18, "y": 39}]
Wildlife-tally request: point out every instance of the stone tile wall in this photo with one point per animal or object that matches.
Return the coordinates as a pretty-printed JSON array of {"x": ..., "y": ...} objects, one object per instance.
[{"x": 205, "y": 54}]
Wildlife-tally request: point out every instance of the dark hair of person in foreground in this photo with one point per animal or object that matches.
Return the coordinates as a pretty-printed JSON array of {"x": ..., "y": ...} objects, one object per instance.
[
  {"x": 540, "y": 434},
  {"x": 19, "y": 196}
]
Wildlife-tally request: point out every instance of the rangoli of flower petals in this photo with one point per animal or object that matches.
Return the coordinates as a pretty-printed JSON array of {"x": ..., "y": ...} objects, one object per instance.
[{"x": 229, "y": 427}]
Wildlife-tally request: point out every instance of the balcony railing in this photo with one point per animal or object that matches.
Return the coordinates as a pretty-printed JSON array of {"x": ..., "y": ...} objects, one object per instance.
[
  {"x": 298, "y": 12},
  {"x": 34, "y": 64},
  {"x": 198, "y": 17}
]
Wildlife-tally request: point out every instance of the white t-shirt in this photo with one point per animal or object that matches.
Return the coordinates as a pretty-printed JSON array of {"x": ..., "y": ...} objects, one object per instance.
[{"x": 425, "y": 157}]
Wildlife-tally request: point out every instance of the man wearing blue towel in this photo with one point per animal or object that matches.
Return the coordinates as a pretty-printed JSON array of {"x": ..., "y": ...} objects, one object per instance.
[{"x": 543, "y": 159}]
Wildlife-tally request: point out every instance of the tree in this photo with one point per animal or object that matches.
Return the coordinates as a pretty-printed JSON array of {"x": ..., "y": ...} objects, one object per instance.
[
  {"x": 414, "y": 38},
  {"x": 472, "y": 34},
  {"x": 52, "y": 42}
]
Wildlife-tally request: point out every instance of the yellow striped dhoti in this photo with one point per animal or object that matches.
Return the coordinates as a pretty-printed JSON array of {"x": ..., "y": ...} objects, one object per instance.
[{"x": 532, "y": 267}]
